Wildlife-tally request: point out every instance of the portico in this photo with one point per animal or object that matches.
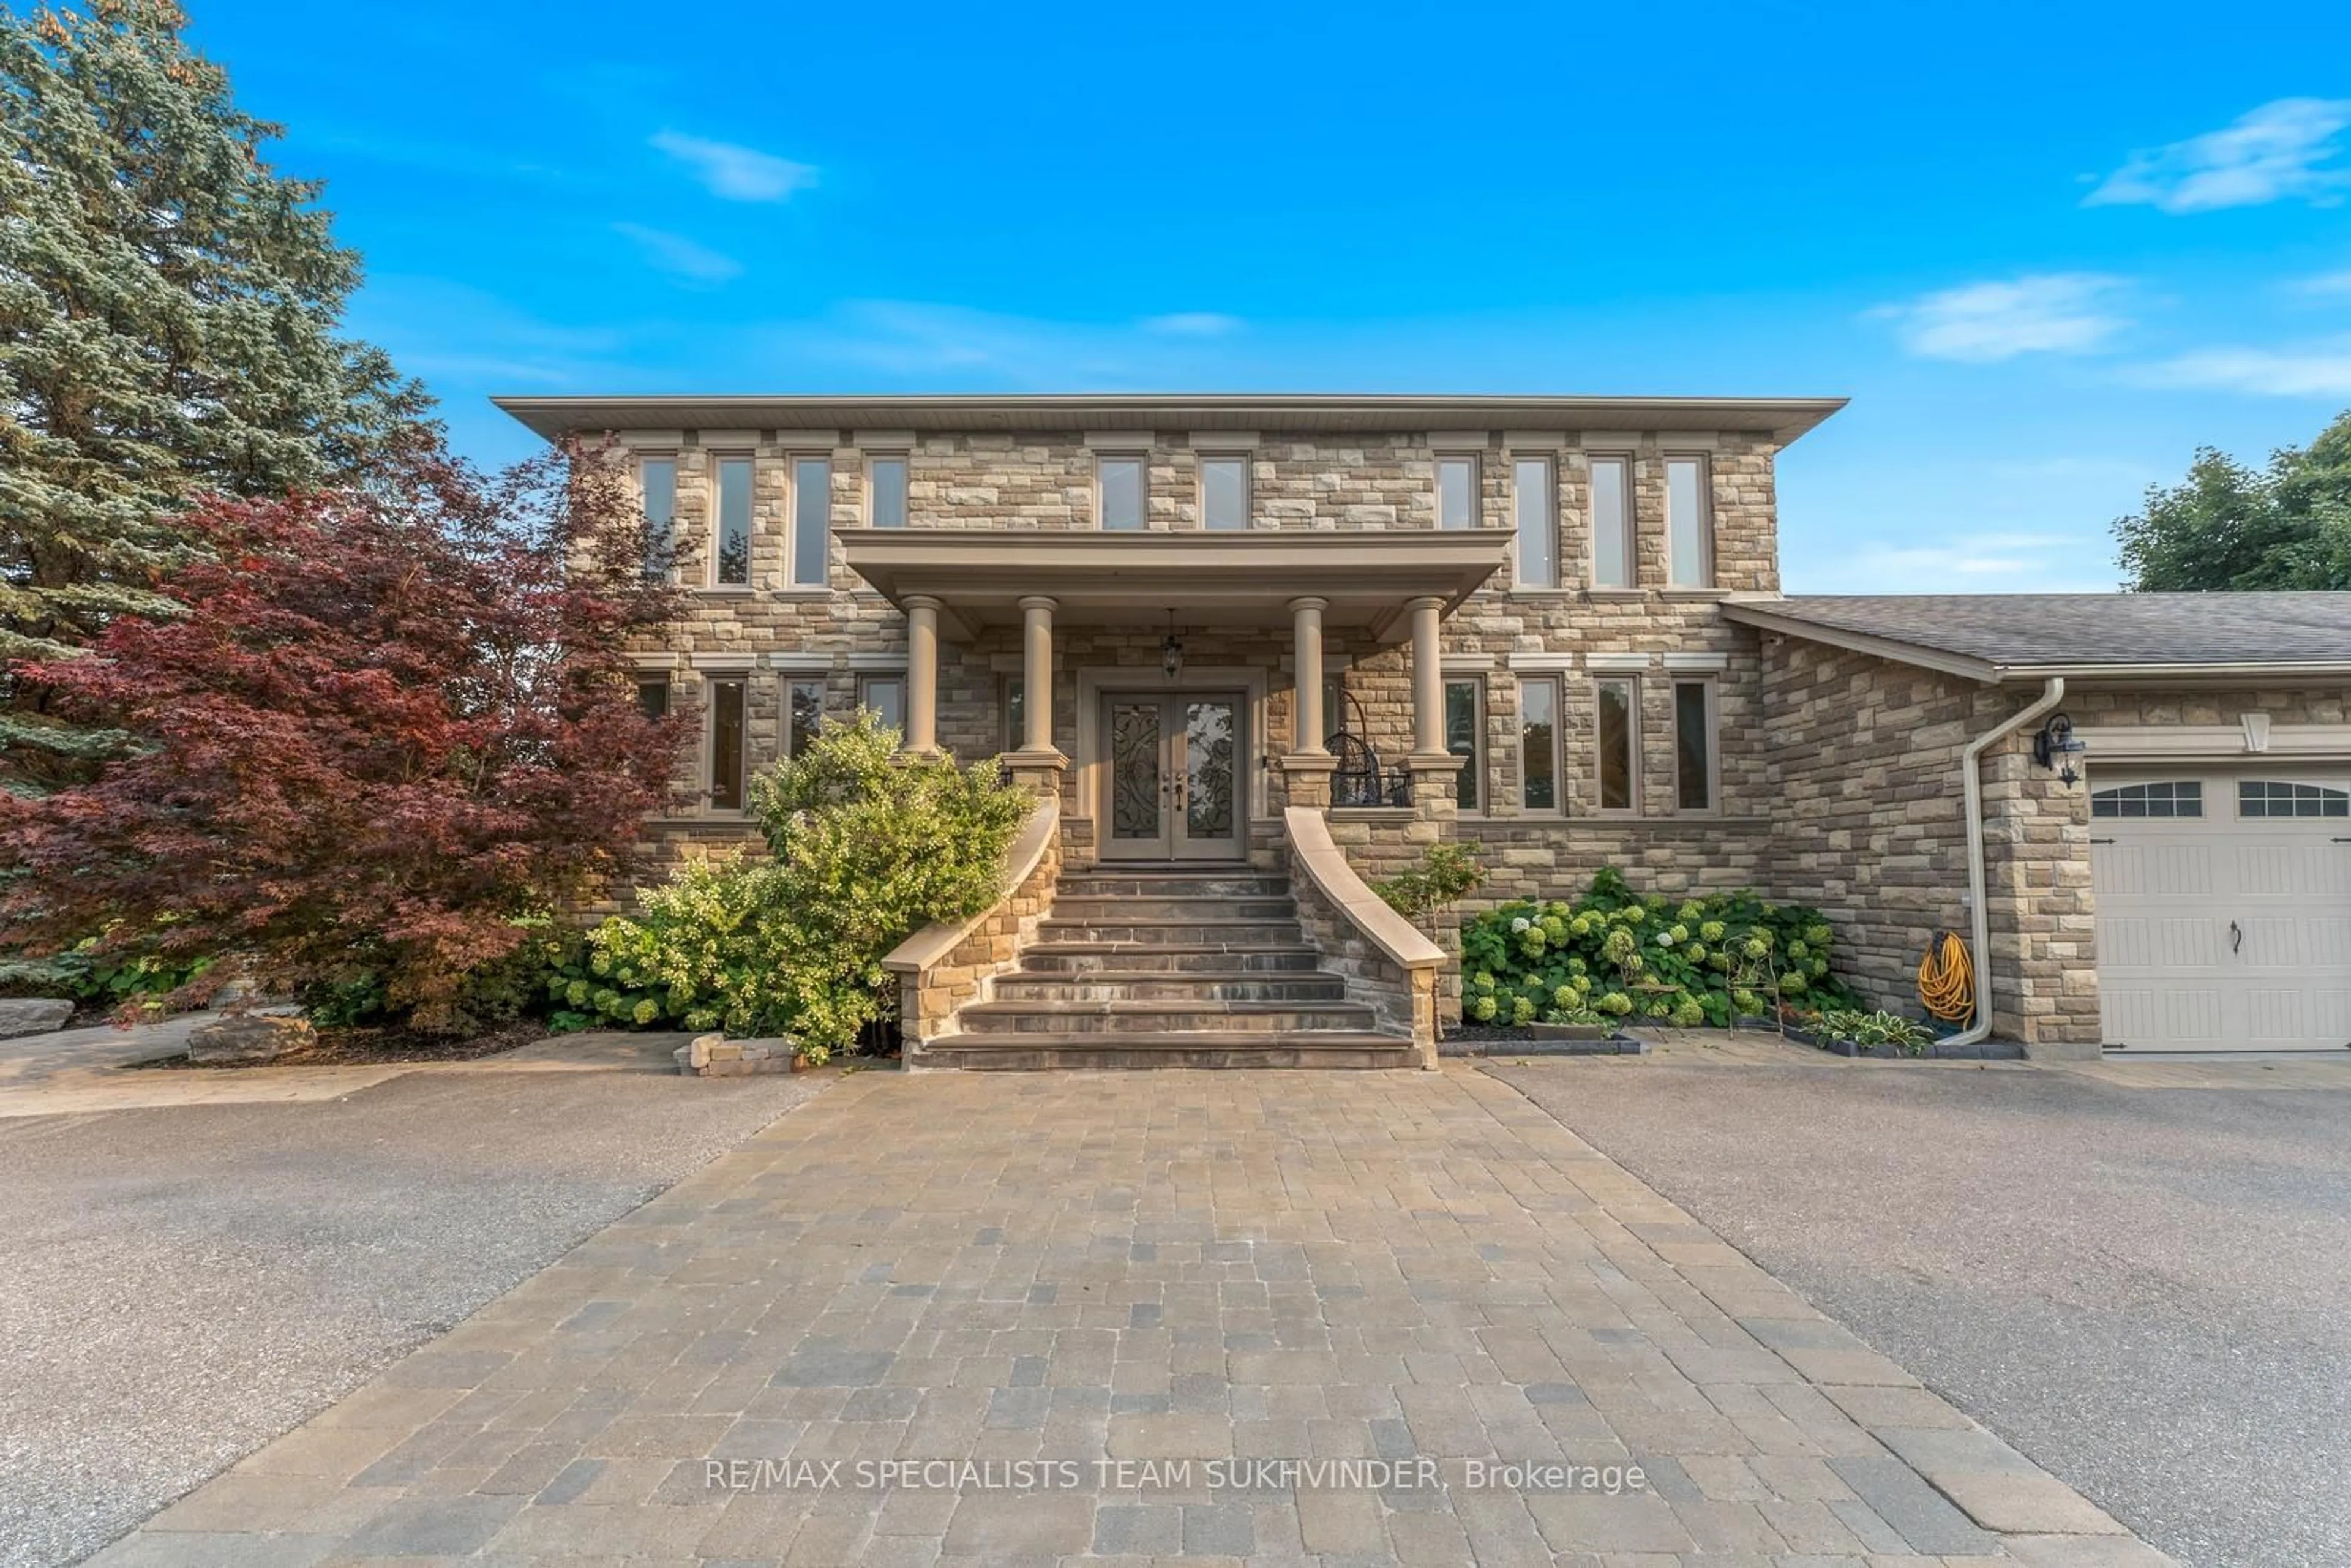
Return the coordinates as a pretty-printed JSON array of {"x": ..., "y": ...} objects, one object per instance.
[{"x": 1237, "y": 600}]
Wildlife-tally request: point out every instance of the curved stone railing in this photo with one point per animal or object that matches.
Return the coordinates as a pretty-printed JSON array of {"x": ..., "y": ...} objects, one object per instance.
[
  {"x": 1384, "y": 959},
  {"x": 943, "y": 967}
]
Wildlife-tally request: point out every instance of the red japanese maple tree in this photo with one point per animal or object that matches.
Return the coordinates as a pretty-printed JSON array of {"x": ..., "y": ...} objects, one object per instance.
[{"x": 392, "y": 723}]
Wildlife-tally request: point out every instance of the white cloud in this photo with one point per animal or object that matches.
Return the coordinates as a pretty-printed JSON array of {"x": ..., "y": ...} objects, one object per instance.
[
  {"x": 736, "y": 173},
  {"x": 933, "y": 343},
  {"x": 1982, "y": 323},
  {"x": 2325, "y": 283},
  {"x": 2320, "y": 369},
  {"x": 2284, "y": 149},
  {"x": 679, "y": 256},
  {"x": 1192, "y": 324}
]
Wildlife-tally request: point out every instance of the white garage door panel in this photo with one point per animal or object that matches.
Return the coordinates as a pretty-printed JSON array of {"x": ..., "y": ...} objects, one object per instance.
[{"x": 2220, "y": 931}]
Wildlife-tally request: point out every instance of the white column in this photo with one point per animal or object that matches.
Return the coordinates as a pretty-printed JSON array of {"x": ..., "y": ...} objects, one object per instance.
[
  {"x": 1306, "y": 619},
  {"x": 1427, "y": 678},
  {"x": 1037, "y": 672},
  {"x": 922, "y": 673}
]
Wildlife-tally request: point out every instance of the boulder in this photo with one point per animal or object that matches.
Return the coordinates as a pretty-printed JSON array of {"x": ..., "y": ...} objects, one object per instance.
[
  {"x": 32, "y": 1015},
  {"x": 245, "y": 1039}
]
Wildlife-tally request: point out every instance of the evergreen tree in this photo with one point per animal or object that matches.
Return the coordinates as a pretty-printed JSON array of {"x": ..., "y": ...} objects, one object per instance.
[{"x": 168, "y": 307}]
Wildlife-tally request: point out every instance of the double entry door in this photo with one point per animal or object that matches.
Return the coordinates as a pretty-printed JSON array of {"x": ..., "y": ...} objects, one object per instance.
[{"x": 1173, "y": 775}]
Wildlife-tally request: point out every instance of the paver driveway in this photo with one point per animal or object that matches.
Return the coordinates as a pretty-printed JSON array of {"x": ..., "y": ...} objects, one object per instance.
[{"x": 1171, "y": 1267}]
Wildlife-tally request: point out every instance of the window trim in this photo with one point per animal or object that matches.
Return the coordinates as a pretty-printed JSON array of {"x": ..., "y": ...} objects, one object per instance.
[
  {"x": 711, "y": 681},
  {"x": 1519, "y": 462},
  {"x": 866, "y": 681},
  {"x": 1623, "y": 463},
  {"x": 1477, "y": 764},
  {"x": 1239, "y": 460},
  {"x": 1142, "y": 461},
  {"x": 668, "y": 544},
  {"x": 799, "y": 461},
  {"x": 874, "y": 491},
  {"x": 719, "y": 461},
  {"x": 1704, "y": 496},
  {"x": 1711, "y": 690},
  {"x": 784, "y": 747},
  {"x": 1631, "y": 682},
  {"x": 1476, "y": 519},
  {"x": 1557, "y": 686}
]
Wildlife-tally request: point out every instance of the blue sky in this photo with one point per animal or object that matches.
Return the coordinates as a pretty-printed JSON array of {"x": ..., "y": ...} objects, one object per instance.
[{"x": 2048, "y": 251}]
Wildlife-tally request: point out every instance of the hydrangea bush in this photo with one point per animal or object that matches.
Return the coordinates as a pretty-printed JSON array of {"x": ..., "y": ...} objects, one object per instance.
[
  {"x": 868, "y": 844},
  {"x": 1612, "y": 956}
]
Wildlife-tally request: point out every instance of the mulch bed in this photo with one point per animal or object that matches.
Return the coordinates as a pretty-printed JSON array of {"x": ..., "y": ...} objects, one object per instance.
[{"x": 374, "y": 1047}]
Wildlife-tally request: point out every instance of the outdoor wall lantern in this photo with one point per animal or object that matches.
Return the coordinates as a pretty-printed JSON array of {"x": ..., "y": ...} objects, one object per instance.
[
  {"x": 2056, "y": 746},
  {"x": 1171, "y": 652}
]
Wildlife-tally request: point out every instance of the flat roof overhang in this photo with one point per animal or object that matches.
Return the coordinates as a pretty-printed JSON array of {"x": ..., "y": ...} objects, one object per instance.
[
  {"x": 980, "y": 575},
  {"x": 1272, "y": 414}
]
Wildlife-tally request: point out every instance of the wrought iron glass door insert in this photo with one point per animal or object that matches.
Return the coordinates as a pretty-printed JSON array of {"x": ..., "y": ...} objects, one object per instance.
[{"x": 1173, "y": 777}]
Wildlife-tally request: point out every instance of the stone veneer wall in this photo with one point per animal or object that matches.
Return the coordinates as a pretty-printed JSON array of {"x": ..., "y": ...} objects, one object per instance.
[
  {"x": 1865, "y": 760},
  {"x": 930, "y": 1000}
]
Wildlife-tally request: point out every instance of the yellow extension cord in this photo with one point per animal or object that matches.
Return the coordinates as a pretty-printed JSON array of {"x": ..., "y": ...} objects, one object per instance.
[{"x": 1946, "y": 979}]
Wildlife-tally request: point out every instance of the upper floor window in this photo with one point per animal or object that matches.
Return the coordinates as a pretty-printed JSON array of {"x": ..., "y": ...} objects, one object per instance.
[
  {"x": 1612, "y": 522},
  {"x": 1538, "y": 538},
  {"x": 657, "y": 485},
  {"x": 887, "y": 479},
  {"x": 1690, "y": 553},
  {"x": 1457, "y": 492},
  {"x": 1118, "y": 492},
  {"x": 1224, "y": 493},
  {"x": 731, "y": 564},
  {"x": 811, "y": 521}
]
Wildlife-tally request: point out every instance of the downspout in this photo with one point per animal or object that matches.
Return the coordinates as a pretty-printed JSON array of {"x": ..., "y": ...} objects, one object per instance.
[{"x": 1979, "y": 906}]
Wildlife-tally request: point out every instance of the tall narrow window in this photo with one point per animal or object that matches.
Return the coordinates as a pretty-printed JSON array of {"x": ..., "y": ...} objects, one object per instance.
[
  {"x": 653, "y": 697},
  {"x": 1457, "y": 492},
  {"x": 732, "y": 564},
  {"x": 1465, "y": 737},
  {"x": 1334, "y": 707},
  {"x": 888, "y": 478},
  {"x": 1224, "y": 492},
  {"x": 1694, "y": 745},
  {"x": 1539, "y": 743},
  {"x": 657, "y": 483},
  {"x": 1538, "y": 540},
  {"x": 811, "y": 521},
  {"x": 727, "y": 743},
  {"x": 1118, "y": 482},
  {"x": 1688, "y": 539},
  {"x": 1016, "y": 712},
  {"x": 803, "y": 711},
  {"x": 1619, "y": 728},
  {"x": 886, "y": 695},
  {"x": 1612, "y": 522}
]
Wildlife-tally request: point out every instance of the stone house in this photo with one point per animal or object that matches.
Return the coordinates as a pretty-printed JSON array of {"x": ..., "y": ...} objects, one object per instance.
[{"x": 1252, "y": 652}]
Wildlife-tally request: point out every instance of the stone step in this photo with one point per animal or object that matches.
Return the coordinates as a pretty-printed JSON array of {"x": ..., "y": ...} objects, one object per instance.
[
  {"x": 1126, "y": 907},
  {"x": 1173, "y": 1015},
  {"x": 1171, "y": 957},
  {"x": 1312, "y": 1049},
  {"x": 1144, "y": 931},
  {"x": 1172, "y": 885},
  {"x": 1149, "y": 984}
]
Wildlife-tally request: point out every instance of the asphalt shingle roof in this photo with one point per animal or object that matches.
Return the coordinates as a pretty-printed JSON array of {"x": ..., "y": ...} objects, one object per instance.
[{"x": 2055, "y": 631}]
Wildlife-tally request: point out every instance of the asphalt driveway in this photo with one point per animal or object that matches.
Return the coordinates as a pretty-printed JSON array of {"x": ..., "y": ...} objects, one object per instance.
[
  {"x": 179, "y": 1284},
  {"x": 2145, "y": 1289}
]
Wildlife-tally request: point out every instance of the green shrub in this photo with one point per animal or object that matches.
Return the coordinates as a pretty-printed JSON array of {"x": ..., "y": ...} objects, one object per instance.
[
  {"x": 1614, "y": 953},
  {"x": 1448, "y": 873},
  {"x": 867, "y": 844},
  {"x": 1865, "y": 1028}
]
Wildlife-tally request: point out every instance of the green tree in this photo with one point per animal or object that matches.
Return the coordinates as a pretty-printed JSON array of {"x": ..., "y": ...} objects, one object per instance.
[
  {"x": 168, "y": 307},
  {"x": 2230, "y": 526}
]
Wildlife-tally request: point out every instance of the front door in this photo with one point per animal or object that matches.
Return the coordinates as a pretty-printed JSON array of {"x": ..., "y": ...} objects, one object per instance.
[{"x": 1173, "y": 780}]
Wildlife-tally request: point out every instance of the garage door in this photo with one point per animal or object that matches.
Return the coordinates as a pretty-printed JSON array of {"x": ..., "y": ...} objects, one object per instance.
[{"x": 2224, "y": 910}]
